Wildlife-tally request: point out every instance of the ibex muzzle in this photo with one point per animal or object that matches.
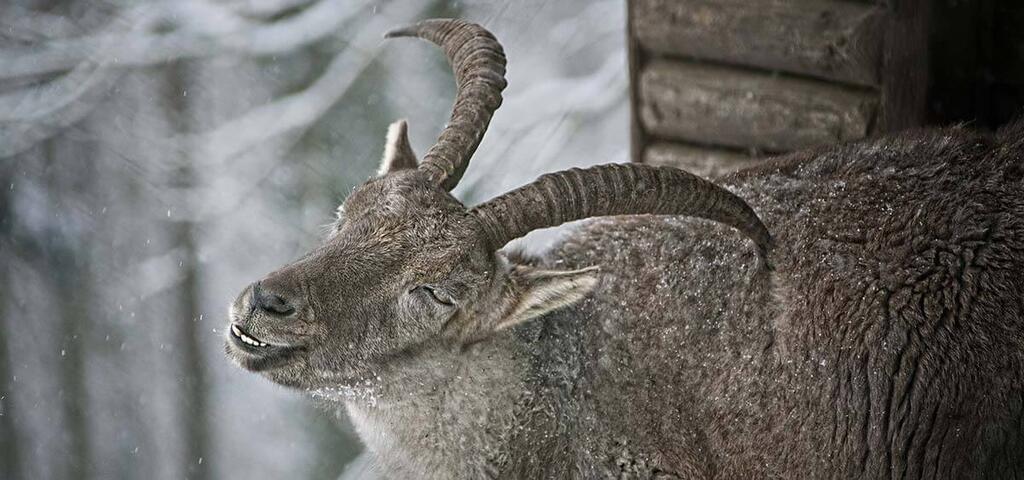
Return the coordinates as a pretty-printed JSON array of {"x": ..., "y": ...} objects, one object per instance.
[{"x": 265, "y": 325}]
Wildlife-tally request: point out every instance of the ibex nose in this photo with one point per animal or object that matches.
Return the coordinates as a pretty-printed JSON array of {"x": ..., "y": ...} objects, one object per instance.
[{"x": 269, "y": 301}]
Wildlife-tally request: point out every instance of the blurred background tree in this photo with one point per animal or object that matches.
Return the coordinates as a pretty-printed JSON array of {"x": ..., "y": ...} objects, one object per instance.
[{"x": 156, "y": 156}]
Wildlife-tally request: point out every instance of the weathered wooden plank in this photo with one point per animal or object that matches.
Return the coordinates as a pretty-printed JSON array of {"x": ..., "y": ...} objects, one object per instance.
[
  {"x": 704, "y": 161},
  {"x": 834, "y": 40},
  {"x": 905, "y": 65},
  {"x": 637, "y": 136},
  {"x": 724, "y": 106}
]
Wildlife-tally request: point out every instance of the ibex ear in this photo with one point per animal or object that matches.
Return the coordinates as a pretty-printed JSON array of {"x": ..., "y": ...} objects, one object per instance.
[
  {"x": 534, "y": 292},
  {"x": 398, "y": 154}
]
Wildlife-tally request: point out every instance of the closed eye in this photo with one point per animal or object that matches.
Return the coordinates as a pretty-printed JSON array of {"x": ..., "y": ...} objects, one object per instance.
[{"x": 438, "y": 295}]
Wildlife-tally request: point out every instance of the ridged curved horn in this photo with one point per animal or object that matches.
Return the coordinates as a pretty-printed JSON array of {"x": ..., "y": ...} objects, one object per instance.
[
  {"x": 561, "y": 197},
  {"x": 478, "y": 62}
]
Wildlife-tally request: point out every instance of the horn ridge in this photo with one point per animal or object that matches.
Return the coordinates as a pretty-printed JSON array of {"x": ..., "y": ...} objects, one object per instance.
[
  {"x": 614, "y": 189},
  {"x": 478, "y": 64}
]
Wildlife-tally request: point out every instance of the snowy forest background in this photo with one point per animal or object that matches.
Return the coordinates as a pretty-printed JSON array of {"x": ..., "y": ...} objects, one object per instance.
[{"x": 156, "y": 156}]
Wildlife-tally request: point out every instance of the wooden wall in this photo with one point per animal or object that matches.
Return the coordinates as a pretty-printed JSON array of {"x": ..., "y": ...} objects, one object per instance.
[{"x": 718, "y": 83}]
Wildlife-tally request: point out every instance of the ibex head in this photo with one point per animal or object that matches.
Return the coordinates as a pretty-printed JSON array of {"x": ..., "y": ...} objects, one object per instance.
[{"x": 408, "y": 267}]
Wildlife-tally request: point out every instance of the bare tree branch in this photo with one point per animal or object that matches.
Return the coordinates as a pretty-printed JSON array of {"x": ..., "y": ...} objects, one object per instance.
[
  {"x": 136, "y": 49},
  {"x": 20, "y": 135},
  {"x": 21, "y": 24},
  {"x": 35, "y": 103},
  {"x": 542, "y": 114},
  {"x": 203, "y": 17},
  {"x": 581, "y": 95},
  {"x": 35, "y": 113},
  {"x": 291, "y": 115},
  {"x": 263, "y": 9}
]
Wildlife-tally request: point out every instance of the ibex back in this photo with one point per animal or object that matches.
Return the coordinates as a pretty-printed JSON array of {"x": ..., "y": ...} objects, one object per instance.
[{"x": 880, "y": 333}]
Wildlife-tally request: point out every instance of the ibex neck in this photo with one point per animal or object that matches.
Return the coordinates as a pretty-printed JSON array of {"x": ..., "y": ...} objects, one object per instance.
[{"x": 462, "y": 408}]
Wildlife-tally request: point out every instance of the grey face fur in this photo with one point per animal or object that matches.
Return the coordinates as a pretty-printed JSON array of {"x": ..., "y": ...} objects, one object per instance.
[{"x": 383, "y": 282}]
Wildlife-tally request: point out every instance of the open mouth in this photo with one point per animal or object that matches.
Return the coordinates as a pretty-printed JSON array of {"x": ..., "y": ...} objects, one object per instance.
[
  {"x": 245, "y": 338},
  {"x": 251, "y": 344},
  {"x": 256, "y": 354}
]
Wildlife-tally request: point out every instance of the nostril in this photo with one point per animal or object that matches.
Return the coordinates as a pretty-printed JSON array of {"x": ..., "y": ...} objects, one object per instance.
[
  {"x": 276, "y": 304},
  {"x": 271, "y": 302}
]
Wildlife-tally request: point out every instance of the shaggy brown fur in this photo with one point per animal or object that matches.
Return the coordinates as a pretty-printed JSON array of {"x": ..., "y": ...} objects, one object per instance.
[{"x": 888, "y": 343}]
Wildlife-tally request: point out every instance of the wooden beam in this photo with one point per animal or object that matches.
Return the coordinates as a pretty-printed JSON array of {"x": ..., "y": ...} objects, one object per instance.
[
  {"x": 724, "y": 106},
  {"x": 637, "y": 136},
  {"x": 704, "y": 161},
  {"x": 833, "y": 40},
  {"x": 905, "y": 65}
]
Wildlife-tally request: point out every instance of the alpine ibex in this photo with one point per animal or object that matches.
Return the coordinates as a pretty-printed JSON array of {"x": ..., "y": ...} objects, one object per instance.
[{"x": 880, "y": 333}]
